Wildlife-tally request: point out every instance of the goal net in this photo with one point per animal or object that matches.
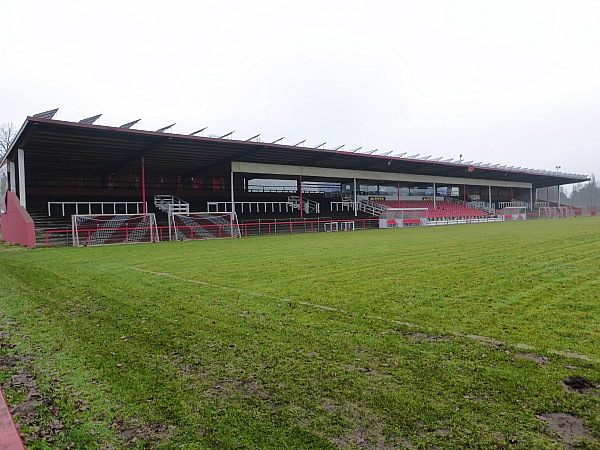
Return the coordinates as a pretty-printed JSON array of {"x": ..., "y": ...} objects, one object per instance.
[
  {"x": 203, "y": 225},
  {"x": 403, "y": 217},
  {"x": 513, "y": 212},
  {"x": 555, "y": 212},
  {"x": 94, "y": 229}
]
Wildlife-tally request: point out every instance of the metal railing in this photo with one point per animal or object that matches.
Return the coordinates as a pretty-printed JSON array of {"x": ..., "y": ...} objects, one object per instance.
[
  {"x": 96, "y": 207},
  {"x": 171, "y": 204},
  {"x": 248, "y": 207}
]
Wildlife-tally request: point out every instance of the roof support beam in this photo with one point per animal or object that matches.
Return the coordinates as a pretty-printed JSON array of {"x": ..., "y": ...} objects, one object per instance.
[
  {"x": 220, "y": 162},
  {"x": 279, "y": 169},
  {"x": 134, "y": 156}
]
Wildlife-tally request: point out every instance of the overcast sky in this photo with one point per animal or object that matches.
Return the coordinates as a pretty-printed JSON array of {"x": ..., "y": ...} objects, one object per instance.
[{"x": 510, "y": 82}]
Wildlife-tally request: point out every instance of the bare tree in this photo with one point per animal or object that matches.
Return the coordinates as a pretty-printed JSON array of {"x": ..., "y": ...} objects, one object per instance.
[{"x": 8, "y": 132}]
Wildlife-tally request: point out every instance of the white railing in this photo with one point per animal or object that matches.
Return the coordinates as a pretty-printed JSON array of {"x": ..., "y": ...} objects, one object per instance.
[
  {"x": 310, "y": 206},
  {"x": 342, "y": 206},
  {"x": 484, "y": 206},
  {"x": 371, "y": 208},
  {"x": 258, "y": 207},
  {"x": 540, "y": 204},
  {"x": 99, "y": 207},
  {"x": 502, "y": 205}
]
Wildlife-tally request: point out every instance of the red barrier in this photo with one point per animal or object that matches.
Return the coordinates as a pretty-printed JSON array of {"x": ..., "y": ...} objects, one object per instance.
[
  {"x": 17, "y": 225},
  {"x": 9, "y": 435}
]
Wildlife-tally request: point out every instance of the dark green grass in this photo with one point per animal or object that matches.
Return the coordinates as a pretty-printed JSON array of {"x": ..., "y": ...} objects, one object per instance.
[{"x": 312, "y": 341}]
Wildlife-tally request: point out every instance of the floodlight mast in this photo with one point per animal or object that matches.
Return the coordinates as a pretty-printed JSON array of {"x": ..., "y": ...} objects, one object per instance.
[
  {"x": 199, "y": 131},
  {"x": 46, "y": 114},
  {"x": 163, "y": 129},
  {"x": 130, "y": 124},
  {"x": 90, "y": 120}
]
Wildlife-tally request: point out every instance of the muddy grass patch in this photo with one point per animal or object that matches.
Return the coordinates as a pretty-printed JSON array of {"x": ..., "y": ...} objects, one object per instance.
[
  {"x": 581, "y": 385},
  {"x": 364, "y": 429},
  {"x": 571, "y": 429},
  {"x": 133, "y": 432},
  {"x": 424, "y": 337},
  {"x": 248, "y": 387},
  {"x": 541, "y": 360},
  {"x": 22, "y": 391}
]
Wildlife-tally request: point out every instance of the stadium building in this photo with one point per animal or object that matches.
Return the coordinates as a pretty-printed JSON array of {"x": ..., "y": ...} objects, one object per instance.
[{"x": 58, "y": 175}]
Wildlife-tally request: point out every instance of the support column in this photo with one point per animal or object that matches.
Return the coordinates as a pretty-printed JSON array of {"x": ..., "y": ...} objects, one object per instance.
[
  {"x": 558, "y": 195},
  {"x": 232, "y": 195},
  {"x": 398, "y": 194},
  {"x": 13, "y": 176},
  {"x": 301, "y": 200},
  {"x": 355, "y": 200},
  {"x": 144, "y": 209},
  {"x": 465, "y": 194},
  {"x": 21, "y": 162},
  {"x": 531, "y": 198},
  {"x": 490, "y": 196},
  {"x": 434, "y": 196}
]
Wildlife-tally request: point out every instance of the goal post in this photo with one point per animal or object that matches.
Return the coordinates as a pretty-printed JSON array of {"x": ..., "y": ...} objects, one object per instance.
[
  {"x": 403, "y": 217},
  {"x": 513, "y": 213},
  {"x": 104, "y": 229},
  {"x": 203, "y": 225}
]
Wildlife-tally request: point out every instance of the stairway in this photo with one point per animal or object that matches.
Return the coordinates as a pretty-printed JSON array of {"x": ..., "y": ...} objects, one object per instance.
[
  {"x": 171, "y": 204},
  {"x": 372, "y": 208}
]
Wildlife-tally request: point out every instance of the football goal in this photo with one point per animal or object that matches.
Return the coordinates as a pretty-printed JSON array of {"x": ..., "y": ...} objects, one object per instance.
[
  {"x": 94, "y": 229},
  {"x": 203, "y": 225},
  {"x": 513, "y": 213},
  {"x": 403, "y": 217}
]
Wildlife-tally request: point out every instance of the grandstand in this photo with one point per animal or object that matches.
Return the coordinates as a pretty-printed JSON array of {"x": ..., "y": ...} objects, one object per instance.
[
  {"x": 55, "y": 169},
  {"x": 438, "y": 210}
]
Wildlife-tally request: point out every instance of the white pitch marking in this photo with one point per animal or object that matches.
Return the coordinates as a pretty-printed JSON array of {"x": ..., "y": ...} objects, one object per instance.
[{"x": 330, "y": 308}]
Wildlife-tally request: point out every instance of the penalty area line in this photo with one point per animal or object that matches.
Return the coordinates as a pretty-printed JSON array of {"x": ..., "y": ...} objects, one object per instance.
[{"x": 229, "y": 288}]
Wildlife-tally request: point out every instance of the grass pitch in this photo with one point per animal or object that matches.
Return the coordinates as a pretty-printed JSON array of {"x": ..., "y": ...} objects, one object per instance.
[{"x": 445, "y": 337}]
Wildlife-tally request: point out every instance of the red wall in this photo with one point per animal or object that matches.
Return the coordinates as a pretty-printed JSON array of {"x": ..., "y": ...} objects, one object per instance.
[{"x": 16, "y": 225}]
